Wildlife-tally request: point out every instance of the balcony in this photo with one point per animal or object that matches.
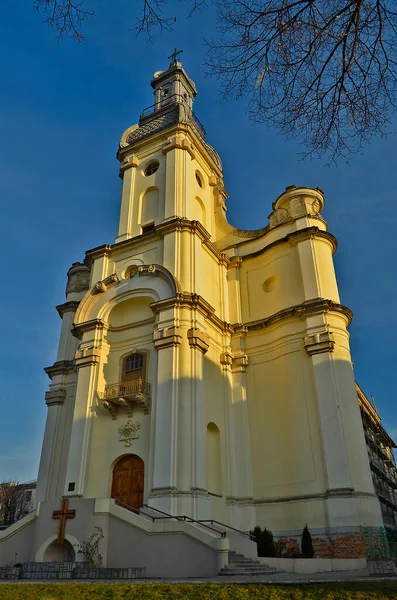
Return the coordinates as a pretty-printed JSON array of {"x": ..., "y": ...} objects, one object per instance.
[{"x": 126, "y": 394}]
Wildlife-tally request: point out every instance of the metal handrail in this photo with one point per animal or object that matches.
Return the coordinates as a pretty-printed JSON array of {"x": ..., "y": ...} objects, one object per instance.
[
  {"x": 124, "y": 388},
  {"x": 182, "y": 518},
  {"x": 166, "y": 516},
  {"x": 249, "y": 535},
  {"x": 169, "y": 101}
]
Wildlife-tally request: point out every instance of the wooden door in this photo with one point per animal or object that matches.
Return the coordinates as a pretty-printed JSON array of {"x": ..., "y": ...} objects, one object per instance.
[{"x": 128, "y": 481}]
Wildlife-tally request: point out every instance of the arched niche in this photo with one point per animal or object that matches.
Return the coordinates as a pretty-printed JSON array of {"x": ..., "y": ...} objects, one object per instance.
[
  {"x": 149, "y": 206},
  {"x": 214, "y": 468},
  {"x": 59, "y": 552},
  {"x": 200, "y": 213},
  {"x": 152, "y": 280},
  {"x": 130, "y": 311}
]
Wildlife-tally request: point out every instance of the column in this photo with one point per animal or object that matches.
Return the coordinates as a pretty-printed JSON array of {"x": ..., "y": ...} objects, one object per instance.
[
  {"x": 165, "y": 413},
  {"x": 201, "y": 505},
  {"x": 87, "y": 360},
  {"x": 128, "y": 173},
  {"x": 240, "y": 481}
]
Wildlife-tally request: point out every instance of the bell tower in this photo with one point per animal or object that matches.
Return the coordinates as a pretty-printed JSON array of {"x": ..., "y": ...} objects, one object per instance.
[{"x": 167, "y": 167}]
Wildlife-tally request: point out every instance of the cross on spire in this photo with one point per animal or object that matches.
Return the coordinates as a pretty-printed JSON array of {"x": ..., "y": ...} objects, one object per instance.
[{"x": 174, "y": 56}]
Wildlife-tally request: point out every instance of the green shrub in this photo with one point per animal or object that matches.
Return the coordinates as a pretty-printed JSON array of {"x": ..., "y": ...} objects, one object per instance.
[
  {"x": 204, "y": 591},
  {"x": 307, "y": 544},
  {"x": 264, "y": 541}
]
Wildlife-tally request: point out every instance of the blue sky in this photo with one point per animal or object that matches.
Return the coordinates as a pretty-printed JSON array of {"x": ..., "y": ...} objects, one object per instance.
[{"x": 63, "y": 107}]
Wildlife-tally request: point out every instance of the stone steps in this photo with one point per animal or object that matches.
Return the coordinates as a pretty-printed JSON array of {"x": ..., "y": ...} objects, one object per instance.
[{"x": 238, "y": 564}]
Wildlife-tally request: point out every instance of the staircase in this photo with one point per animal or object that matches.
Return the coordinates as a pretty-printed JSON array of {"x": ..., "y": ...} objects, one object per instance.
[{"x": 238, "y": 564}]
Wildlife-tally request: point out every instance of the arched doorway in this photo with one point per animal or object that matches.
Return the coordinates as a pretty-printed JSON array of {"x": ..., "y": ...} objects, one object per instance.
[
  {"x": 128, "y": 480},
  {"x": 59, "y": 552}
]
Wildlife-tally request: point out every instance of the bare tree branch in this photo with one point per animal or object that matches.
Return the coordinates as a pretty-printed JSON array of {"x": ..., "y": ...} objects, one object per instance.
[{"x": 321, "y": 71}]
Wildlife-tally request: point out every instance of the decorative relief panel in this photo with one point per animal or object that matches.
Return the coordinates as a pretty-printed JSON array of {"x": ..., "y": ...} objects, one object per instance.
[{"x": 129, "y": 432}]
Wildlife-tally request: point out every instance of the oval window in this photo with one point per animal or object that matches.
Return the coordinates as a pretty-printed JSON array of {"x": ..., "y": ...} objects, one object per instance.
[
  {"x": 152, "y": 168},
  {"x": 198, "y": 179}
]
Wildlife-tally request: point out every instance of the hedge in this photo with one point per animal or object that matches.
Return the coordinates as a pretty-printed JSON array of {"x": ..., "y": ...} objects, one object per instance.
[{"x": 128, "y": 591}]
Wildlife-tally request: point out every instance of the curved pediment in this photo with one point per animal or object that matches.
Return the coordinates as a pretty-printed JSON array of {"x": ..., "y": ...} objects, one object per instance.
[{"x": 153, "y": 280}]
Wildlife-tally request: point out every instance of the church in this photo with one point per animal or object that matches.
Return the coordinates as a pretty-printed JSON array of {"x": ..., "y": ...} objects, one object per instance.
[{"x": 203, "y": 383}]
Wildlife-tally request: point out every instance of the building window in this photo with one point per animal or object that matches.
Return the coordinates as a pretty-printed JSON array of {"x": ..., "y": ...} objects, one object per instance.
[
  {"x": 198, "y": 179},
  {"x": 134, "y": 367},
  {"x": 131, "y": 272},
  {"x": 152, "y": 168}
]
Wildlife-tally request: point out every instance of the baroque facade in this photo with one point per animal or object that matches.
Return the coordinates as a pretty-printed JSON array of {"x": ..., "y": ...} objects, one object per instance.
[{"x": 205, "y": 370}]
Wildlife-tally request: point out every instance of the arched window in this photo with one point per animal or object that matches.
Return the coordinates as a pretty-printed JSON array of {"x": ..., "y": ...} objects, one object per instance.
[{"x": 134, "y": 366}]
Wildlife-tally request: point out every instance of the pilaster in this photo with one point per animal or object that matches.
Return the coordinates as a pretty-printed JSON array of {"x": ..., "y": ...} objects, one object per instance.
[
  {"x": 165, "y": 414},
  {"x": 87, "y": 360},
  {"x": 128, "y": 173}
]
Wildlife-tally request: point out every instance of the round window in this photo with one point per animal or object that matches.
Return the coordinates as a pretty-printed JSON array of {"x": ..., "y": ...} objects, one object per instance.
[
  {"x": 131, "y": 272},
  {"x": 198, "y": 179},
  {"x": 152, "y": 168}
]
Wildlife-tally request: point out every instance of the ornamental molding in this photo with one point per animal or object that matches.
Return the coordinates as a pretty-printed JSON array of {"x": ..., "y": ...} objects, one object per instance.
[
  {"x": 87, "y": 357},
  {"x": 94, "y": 324},
  {"x": 160, "y": 271},
  {"x": 181, "y": 142},
  {"x": 318, "y": 343},
  {"x": 306, "y": 309},
  {"x": 129, "y": 433},
  {"x": 194, "y": 302},
  {"x": 196, "y": 228},
  {"x": 292, "y": 239},
  {"x": 177, "y": 224},
  {"x": 56, "y": 397},
  {"x": 102, "y": 286},
  {"x": 167, "y": 337},
  {"x": 198, "y": 339},
  {"x": 130, "y": 162},
  {"x": 239, "y": 362},
  {"x": 98, "y": 252},
  {"x": 61, "y": 367},
  {"x": 226, "y": 360},
  {"x": 235, "y": 262},
  {"x": 70, "y": 306}
]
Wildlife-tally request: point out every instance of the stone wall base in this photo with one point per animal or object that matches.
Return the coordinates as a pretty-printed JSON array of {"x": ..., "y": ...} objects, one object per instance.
[{"x": 334, "y": 545}]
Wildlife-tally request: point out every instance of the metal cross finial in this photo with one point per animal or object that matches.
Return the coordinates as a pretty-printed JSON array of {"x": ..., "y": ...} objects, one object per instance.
[{"x": 174, "y": 55}]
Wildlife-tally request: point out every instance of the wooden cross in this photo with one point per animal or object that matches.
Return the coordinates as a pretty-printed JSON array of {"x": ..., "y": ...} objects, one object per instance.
[
  {"x": 62, "y": 515},
  {"x": 175, "y": 54}
]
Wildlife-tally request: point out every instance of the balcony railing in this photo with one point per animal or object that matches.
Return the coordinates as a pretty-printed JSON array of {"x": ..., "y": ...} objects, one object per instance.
[
  {"x": 126, "y": 388},
  {"x": 170, "y": 102},
  {"x": 127, "y": 394}
]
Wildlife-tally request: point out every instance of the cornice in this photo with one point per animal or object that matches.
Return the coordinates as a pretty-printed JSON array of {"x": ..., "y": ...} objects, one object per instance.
[
  {"x": 196, "y": 302},
  {"x": 81, "y": 328},
  {"x": 176, "y": 224},
  {"x": 306, "y": 309},
  {"x": 70, "y": 306},
  {"x": 164, "y": 134},
  {"x": 167, "y": 337},
  {"x": 292, "y": 238},
  {"x": 198, "y": 339},
  {"x": 61, "y": 367},
  {"x": 95, "y": 253},
  {"x": 194, "y": 227},
  {"x": 55, "y": 398}
]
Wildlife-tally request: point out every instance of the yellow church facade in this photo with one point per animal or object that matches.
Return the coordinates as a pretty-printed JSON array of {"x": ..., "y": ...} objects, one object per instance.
[{"x": 205, "y": 370}]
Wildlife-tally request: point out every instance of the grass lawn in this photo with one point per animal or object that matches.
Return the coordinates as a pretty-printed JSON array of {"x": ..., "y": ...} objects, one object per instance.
[{"x": 127, "y": 591}]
